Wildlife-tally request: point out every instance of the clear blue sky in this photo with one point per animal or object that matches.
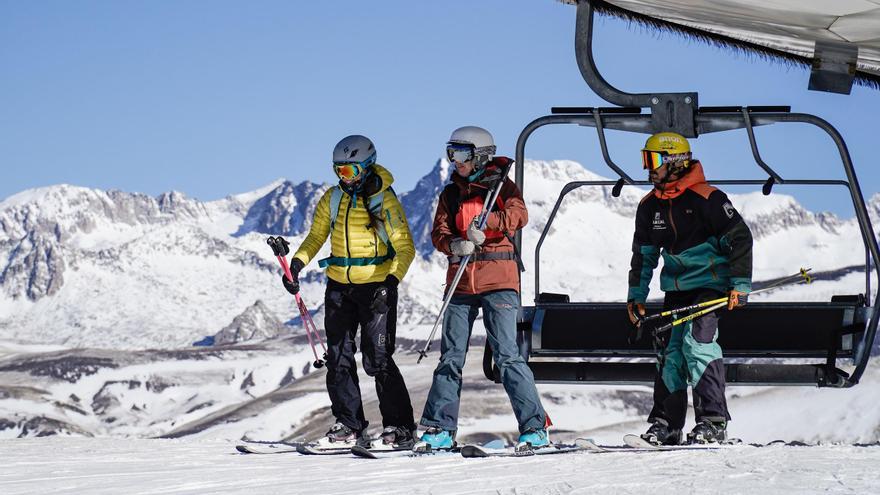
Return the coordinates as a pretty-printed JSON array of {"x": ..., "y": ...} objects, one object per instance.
[{"x": 219, "y": 97}]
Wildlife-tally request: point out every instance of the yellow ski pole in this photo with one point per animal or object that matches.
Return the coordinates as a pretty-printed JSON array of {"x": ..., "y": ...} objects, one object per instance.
[
  {"x": 692, "y": 316},
  {"x": 801, "y": 276}
]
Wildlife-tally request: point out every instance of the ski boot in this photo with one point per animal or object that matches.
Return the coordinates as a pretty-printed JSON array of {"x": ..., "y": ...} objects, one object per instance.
[
  {"x": 435, "y": 439},
  {"x": 530, "y": 440},
  {"x": 708, "y": 431},
  {"x": 397, "y": 437},
  {"x": 535, "y": 438},
  {"x": 341, "y": 437},
  {"x": 661, "y": 434}
]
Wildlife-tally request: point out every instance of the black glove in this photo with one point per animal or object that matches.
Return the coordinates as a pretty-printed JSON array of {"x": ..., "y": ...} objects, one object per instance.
[
  {"x": 292, "y": 286},
  {"x": 391, "y": 281},
  {"x": 383, "y": 294}
]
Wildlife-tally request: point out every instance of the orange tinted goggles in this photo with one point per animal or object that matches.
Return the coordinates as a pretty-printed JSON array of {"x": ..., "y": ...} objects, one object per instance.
[
  {"x": 652, "y": 160},
  {"x": 347, "y": 171}
]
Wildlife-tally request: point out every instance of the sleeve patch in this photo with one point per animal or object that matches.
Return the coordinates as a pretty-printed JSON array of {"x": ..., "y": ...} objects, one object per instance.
[{"x": 729, "y": 210}]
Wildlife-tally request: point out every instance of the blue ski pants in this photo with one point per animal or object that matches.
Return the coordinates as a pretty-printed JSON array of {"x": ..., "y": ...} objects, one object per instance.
[{"x": 500, "y": 309}]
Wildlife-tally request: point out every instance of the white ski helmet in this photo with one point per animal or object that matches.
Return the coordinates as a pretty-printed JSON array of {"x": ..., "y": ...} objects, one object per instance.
[
  {"x": 355, "y": 149},
  {"x": 479, "y": 138}
]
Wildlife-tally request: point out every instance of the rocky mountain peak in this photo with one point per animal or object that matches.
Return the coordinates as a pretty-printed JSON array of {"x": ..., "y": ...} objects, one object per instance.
[
  {"x": 257, "y": 322},
  {"x": 286, "y": 210}
]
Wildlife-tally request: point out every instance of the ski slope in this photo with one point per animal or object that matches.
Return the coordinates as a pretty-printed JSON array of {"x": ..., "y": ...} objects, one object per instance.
[{"x": 112, "y": 466}]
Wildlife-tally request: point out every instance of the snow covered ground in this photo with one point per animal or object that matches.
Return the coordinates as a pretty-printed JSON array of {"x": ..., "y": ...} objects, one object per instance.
[{"x": 113, "y": 466}]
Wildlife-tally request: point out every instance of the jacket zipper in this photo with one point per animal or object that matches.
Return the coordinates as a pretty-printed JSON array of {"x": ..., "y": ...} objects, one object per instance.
[
  {"x": 347, "y": 243},
  {"x": 712, "y": 268},
  {"x": 674, "y": 239}
]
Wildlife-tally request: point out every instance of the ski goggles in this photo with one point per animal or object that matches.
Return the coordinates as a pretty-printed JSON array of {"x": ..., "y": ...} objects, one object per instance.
[
  {"x": 349, "y": 171},
  {"x": 652, "y": 160},
  {"x": 459, "y": 152}
]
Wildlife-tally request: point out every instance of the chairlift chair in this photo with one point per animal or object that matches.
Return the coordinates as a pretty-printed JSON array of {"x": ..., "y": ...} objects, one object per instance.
[{"x": 586, "y": 342}]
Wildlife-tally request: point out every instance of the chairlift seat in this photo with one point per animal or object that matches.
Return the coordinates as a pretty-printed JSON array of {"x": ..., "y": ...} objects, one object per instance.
[{"x": 760, "y": 334}]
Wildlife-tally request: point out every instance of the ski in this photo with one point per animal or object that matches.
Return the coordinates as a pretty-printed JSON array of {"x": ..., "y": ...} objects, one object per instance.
[
  {"x": 523, "y": 451},
  {"x": 313, "y": 449},
  {"x": 359, "y": 451},
  {"x": 366, "y": 453},
  {"x": 637, "y": 442},
  {"x": 266, "y": 447},
  {"x": 417, "y": 451},
  {"x": 592, "y": 446}
]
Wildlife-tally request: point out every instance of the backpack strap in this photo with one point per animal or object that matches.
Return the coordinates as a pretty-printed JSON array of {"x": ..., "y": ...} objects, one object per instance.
[
  {"x": 335, "y": 201},
  {"x": 375, "y": 208}
]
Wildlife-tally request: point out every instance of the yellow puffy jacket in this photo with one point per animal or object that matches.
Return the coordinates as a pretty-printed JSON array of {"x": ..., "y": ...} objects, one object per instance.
[{"x": 353, "y": 236}]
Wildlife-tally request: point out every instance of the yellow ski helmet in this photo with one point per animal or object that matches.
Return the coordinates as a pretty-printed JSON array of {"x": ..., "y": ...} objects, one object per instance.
[{"x": 666, "y": 147}]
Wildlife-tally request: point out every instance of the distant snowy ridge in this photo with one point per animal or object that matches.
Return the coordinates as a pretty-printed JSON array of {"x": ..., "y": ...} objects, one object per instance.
[{"x": 109, "y": 269}]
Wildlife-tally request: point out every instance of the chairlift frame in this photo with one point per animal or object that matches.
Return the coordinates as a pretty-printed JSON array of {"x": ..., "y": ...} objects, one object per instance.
[{"x": 552, "y": 334}]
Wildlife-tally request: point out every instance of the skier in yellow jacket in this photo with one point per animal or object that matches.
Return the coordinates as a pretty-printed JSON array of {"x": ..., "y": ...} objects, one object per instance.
[{"x": 371, "y": 250}]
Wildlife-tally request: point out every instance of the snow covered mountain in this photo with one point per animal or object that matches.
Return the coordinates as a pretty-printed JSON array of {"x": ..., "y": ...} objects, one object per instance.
[
  {"x": 119, "y": 285},
  {"x": 109, "y": 269}
]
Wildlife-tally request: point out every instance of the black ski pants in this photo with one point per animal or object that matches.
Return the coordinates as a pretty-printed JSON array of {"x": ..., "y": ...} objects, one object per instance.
[
  {"x": 348, "y": 306},
  {"x": 690, "y": 356}
]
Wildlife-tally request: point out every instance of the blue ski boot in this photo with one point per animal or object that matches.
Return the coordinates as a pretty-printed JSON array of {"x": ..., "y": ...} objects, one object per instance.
[
  {"x": 435, "y": 439},
  {"x": 535, "y": 438}
]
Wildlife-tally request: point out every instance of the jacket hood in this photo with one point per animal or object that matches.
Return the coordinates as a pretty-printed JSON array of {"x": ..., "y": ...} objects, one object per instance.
[{"x": 384, "y": 175}]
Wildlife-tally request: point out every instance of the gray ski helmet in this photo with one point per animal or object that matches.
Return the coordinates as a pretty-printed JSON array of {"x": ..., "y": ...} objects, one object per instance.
[
  {"x": 479, "y": 138},
  {"x": 355, "y": 149}
]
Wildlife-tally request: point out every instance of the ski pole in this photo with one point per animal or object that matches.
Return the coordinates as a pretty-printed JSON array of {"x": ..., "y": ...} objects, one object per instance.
[
  {"x": 279, "y": 247},
  {"x": 303, "y": 311},
  {"x": 691, "y": 317},
  {"x": 800, "y": 277},
  {"x": 310, "y": 328},
  {"x": 307, "y": 318},
  {"x": 484, "y": 216},
  {"x": 797, "y": 277},
  {"x": 669, "y": 312}
]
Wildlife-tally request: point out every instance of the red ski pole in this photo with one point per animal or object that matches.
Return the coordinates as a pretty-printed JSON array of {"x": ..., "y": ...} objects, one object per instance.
[
  {"x": 307, "y": 318},
  {"x": 278, "y": 246}
]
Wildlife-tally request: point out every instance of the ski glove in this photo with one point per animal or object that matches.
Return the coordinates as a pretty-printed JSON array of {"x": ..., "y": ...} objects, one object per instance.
[
  {"x": 631, "y": 309},
  {"x": 461, "y": 247},
  {"x": 474, "y": 234},
  {"x": 391, "y": 281},
  {"x": 382, "y": 294},
  {"x": 736, "y": 299},
  {"x": 292, "y": 286}
]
